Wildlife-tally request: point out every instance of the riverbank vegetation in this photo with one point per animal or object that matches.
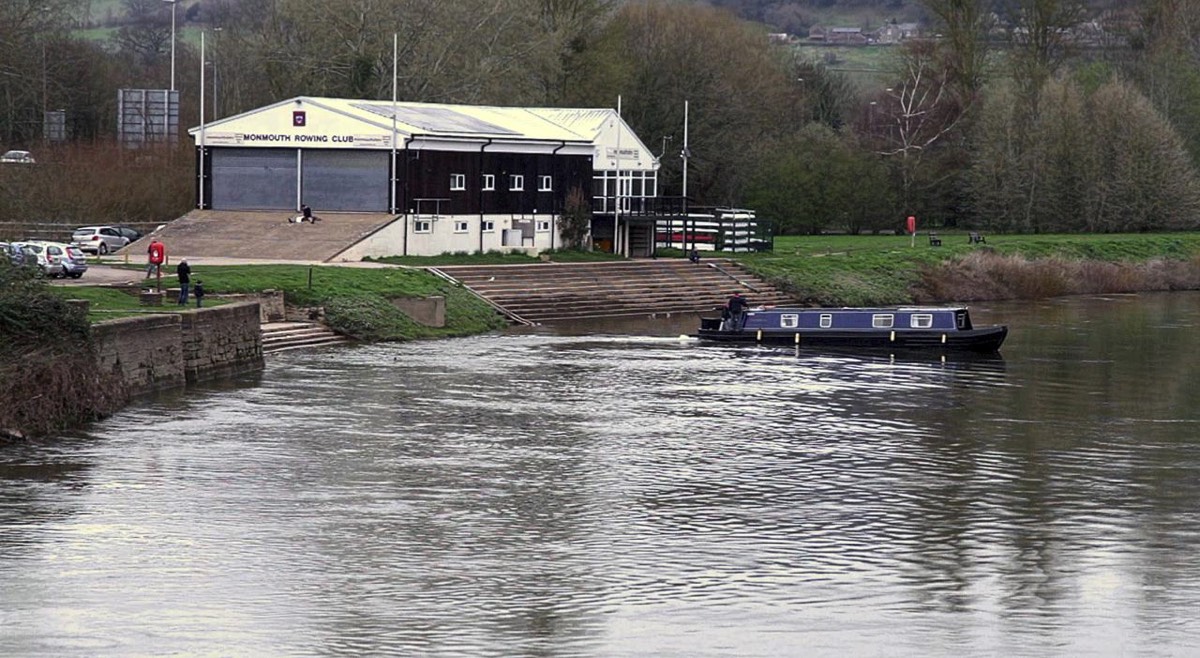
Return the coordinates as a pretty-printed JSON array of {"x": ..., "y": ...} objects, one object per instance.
[
  {"x": 843, "y": 270},
  {"x": 49, "y": 379}
]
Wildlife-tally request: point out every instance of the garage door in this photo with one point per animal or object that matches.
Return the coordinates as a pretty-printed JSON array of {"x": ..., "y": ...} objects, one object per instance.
[
  {"x": 253, "y": 179},
  {"x": 345, "y": 180}
]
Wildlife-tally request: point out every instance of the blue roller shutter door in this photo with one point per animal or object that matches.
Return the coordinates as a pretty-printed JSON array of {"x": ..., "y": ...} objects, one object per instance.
[
  {"x": 345, "y": 180},
  {"x": 253, "y": 179}
]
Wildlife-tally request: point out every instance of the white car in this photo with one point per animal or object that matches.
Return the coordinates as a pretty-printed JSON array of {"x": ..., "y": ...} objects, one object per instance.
[
  {"x": 99, "y": 239},
  {"x": 49, "y": 258},
  {"x": 18, "y": 157}
]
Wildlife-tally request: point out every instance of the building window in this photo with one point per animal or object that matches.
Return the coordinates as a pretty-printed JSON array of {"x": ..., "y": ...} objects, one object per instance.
[
  {"x": 543, "y": 225},
  {"x": 545, "y": 183},
  {"x": 422, "y": 226},
  {"x": 458, "y": 182},
  {"x": 826, "y": 320},
  {"x": 489, "y": 182},
  {"x": 921, "y": 320},
  {"x": 460, "y": 226},
  {"x": 789, "y": 320},
  {"x": 516, "y": 183},
  {"x": 489, "y": 226},
  {"x": 882, "y": 321}
]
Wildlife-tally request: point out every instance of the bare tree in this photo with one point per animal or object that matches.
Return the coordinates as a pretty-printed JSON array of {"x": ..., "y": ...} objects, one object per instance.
[{"x": 917, "y": 113}]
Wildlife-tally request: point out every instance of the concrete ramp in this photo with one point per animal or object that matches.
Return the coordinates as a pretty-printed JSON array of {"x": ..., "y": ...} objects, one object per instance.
[{"x": 263, "y": 235}]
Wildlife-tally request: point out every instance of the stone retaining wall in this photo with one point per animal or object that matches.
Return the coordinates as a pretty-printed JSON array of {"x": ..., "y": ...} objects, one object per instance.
[
  {"x": 221, "y": 341},
  {"x": 169, "y": 350},
  {"x": 147, "y": 351}
]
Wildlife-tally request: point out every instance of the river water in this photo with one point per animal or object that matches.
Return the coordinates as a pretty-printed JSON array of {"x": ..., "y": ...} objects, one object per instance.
[{"x": 548, "y": 493}]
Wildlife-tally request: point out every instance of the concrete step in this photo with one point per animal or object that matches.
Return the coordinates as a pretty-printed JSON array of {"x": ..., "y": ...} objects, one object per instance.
[{"x": 285, "y": 336}]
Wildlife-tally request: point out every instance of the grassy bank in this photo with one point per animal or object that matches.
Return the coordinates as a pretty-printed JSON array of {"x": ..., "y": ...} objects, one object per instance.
[
  {"x": 888, "y": 269},
  {"x": 356, "y": 300}
]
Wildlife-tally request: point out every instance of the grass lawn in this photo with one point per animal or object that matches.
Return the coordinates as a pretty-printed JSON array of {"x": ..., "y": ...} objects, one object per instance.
[{"x": 112, "y": 303}]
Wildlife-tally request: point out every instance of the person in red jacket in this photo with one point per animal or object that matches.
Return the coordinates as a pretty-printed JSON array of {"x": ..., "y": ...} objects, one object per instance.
[{"x": 156, "y": 255}]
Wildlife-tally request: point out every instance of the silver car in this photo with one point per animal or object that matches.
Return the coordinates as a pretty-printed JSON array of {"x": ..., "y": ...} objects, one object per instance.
[
  {"x": 99, "y": 239},
  {"x": 49, "y": 259},
  {"x": 17, "y": 157}
]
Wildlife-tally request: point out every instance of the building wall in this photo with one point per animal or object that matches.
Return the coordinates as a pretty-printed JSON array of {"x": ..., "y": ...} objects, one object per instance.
[
  {"x": 427, "y": 175},
  {"x": 400, "y": 239}
]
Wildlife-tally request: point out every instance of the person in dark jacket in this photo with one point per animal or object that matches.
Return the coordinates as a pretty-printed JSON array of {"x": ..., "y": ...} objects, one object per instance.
[
  {"x": 199, "y": 292},
  {"x": 737, "y": 309},
  {"x": 184, "y": 272}
]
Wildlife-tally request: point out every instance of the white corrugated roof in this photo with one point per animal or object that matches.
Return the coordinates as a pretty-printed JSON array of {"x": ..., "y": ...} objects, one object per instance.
[{"x": 457, "y": 121}]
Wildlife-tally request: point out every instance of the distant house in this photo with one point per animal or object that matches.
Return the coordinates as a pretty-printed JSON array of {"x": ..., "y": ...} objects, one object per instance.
[
  {"x": 894, "y": 32},
  {"x": 781, "y": 38},
  {"x": 841, "y": 36}
]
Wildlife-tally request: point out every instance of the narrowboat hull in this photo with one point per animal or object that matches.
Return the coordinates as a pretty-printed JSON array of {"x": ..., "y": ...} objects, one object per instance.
[{"x": 919, "y": 328}]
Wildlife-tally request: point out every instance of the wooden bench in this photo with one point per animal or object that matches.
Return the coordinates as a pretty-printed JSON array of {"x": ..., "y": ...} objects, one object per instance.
[
  {"x": 934, "y": 240},
  {"x": 975, "y": 238}
]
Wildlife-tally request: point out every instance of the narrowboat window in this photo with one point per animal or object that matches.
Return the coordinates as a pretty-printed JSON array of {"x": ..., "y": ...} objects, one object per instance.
[
  {"x": 826, "y": 320},
  {"x": 489, "y": 182},
  {"x": 921, "y": 320},
  {"x": 422, "y": 226},
  {"x": 458, "y": 182},
  {"x": 516, "y": 183},
  {"x": 543, "y": 226},
  {"x": 489, "y": 226},
  {"x": 789, "y": 320},
  {"x": 460, "y": 226},
  {"x": 883, "y": 321},
  {"x": 545, "y": 183}
]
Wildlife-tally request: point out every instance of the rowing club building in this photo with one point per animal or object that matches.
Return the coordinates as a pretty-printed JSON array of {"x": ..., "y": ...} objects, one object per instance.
[{"x": 452, "y": 178}]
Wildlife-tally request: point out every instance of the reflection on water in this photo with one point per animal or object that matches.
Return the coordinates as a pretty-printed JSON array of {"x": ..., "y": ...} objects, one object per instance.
[{"x": 552, "y": 492}]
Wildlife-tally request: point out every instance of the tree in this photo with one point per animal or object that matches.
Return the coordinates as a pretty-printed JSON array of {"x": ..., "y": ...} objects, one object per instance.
[
  {"x": 741, "y": 91},
  {"x": 815, "y": 181},
  {"x": 1103, "y": 161},
  {"x": 916, "y": 114},
  {"x": 1041, "y": 35},
  {"x": 964, "y": 25},
  {"x": 575, "y": 222}
]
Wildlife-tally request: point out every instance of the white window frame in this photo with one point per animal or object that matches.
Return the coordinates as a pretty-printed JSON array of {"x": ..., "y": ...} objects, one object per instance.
[
  {"x": 826, "y": 320},
  {"x": 489, "y": 226},
  {"x": 489, "y": 182},
  {"x": 422, "y": 226},
  {"x": 545, "y": 183},
  {"x": 516, "y": 183},
  {"x": 542, "y": 226},
  {"x": 458, "y": 182},
  {"x": 461, "y": 226},
  {"x": 789, "y": 320},
  {"x": 883, "y": 320},
  {"x": 921, "y": 321}
]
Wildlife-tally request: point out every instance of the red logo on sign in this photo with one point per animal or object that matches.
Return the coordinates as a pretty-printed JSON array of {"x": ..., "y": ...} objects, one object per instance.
[{"x": 298, "y": 119}]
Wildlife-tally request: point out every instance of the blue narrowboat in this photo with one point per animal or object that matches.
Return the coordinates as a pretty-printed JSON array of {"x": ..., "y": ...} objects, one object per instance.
[{"x": 925, "y": 328}]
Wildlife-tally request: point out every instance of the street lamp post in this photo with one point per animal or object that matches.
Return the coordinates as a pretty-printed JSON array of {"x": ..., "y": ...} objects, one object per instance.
[{"x": 173, "y": 4}]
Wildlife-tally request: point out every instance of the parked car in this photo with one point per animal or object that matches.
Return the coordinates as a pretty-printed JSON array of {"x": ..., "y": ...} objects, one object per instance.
[
  {"x": 49, "y": 262},
  {"x": 133, "y": 234},
  {"x": 99, "y": 239},
  {"x": 74, "y": 261},
  {"x": 18, "y": 157},
  {"x": 18, "y": 254}
]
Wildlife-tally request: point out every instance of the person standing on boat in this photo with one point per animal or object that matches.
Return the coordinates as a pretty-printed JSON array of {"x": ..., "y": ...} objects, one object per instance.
[{"x": 737, "y": 309}]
